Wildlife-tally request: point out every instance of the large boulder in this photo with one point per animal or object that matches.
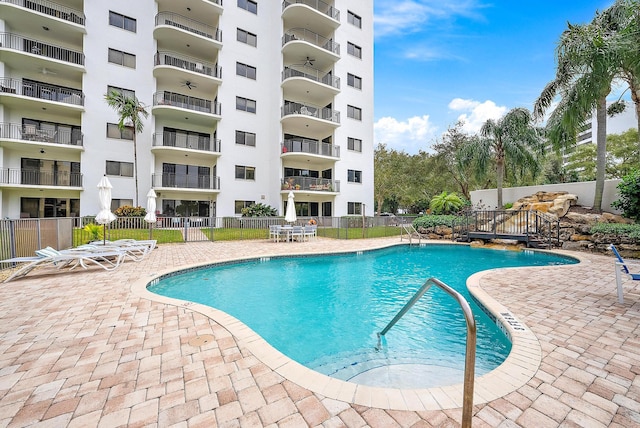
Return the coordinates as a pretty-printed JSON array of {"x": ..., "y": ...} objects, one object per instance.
[{"x": 557, "y": 203}]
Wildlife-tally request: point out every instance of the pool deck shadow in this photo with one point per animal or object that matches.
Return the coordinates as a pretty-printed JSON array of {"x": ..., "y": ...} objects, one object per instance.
[{"x": 89, "y": 348}]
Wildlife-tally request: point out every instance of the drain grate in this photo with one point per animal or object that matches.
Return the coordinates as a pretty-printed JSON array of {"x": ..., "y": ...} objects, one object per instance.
[{"x": 201, "y": 340}]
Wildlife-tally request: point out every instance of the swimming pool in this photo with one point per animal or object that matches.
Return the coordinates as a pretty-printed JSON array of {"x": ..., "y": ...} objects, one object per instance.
[{"x": 325, "y": 311}]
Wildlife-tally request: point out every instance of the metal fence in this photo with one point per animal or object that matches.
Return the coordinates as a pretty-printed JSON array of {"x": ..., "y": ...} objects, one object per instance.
[{"x": 22, "y": 237}]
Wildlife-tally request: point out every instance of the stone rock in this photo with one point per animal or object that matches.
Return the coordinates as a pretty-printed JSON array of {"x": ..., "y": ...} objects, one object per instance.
[
  {"x": 576, "y": 237},
  {"x": 582, "y": 218},
  {"x": 614, "y": 218},
  {"x": 550, "y": 196},
  {"x": 557, "y": 203}
]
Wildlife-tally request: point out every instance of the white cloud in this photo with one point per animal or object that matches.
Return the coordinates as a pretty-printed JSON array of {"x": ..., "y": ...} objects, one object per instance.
[
  {"x": 411, "y": 135},
  {"x": 409, "y": 16},
  {"x": 475, "y": 113}
]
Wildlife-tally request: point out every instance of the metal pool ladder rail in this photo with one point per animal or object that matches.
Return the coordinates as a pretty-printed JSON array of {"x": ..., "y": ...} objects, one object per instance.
[{"x": 470, "y": 354}]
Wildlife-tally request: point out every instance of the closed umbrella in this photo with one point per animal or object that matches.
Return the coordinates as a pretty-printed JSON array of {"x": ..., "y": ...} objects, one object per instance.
[
  {"x": 151, "y": 210},
  {"x": 105, "y": 215},
  {"x": 290, "y": 215}
]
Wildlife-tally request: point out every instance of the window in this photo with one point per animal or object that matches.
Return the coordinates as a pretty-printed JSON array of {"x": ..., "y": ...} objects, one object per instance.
[
  {"x": 123, "y": 169},
  {"x": 122, "y": 58},
  {"x": 245, "y": 172},
  {"x": 246, "y": 138},
  {"x": 354, "y": 112},
  {"x": 51, "y": 132},
  {"x": 239, "y": 205},
  {"x": 186, "y": 208},
  {"x": 249, "y": 5},
  {"x": 247, "y": 37},
  {"x": 121, "y": 21},
  {"x": 126, "y": 92},
  {"x": 354, "y": 81},
  {"x": 354, "y": 144},
  {"x": 51, "y": 207},
  {"x": 172, "y": 137},
  {"x": 354, "y": 208},
  {"x": 354, "y": 50},
  {"x": 114, "y": 132},
  {"x": 46, "y": 172},
  {"x": 245, "y": 70},
  {"x": 188, "y": 176},
  {"x": 117, "y": 203},
  {"x": 245, "y": 104},
  {"x": 354, "y": 176},
  {"x": 354, "y": 19}
]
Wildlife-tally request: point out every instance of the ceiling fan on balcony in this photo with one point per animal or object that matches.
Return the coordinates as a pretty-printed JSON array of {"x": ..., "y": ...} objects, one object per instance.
[
  {"x": 45, "y": 70},
  {"x": 189, "y": 84},
  {"x": 309, "y": 62}
]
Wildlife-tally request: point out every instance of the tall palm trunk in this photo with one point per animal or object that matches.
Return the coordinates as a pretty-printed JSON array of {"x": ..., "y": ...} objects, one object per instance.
[
  {"x": 601, "y": 157},
  {"x": 499, "y": 179},
  {"x": 135, "y": 166}
]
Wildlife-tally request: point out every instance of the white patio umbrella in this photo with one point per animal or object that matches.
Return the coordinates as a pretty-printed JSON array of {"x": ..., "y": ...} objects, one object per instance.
[
  {"x": 151, "y": 210},
  {"x": 290, "y": 215},
  {"x": 105, "y": 215}
]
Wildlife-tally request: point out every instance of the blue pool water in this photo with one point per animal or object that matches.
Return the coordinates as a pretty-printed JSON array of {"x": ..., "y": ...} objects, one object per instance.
[{"x": 325, "y": 311}]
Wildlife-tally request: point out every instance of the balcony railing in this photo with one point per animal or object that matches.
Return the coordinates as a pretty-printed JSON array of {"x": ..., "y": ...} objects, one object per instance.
[
  {"x": 318, "y": 5},
  {"x": 312, "y": 74},
  {"x": 184, "y": 181},
  {"x": 311, "y": 37},
  {"x": 324, "y": 113},
  {"x": 15, "y": 131},
  {"x": 43, "y": 91},
  {"x": 37, "y": 47},
  {"x": 314, "y": 147},
  {"x": 183, "y": 141},
  {"x": 310, "y": 183},
  {"x": 40, "y": 178},
  {"x": 190, "y": 25},
  {"x": 218, "y": 2},
  {"x": 184, "y": 101},
  {"x": 50, "y": 8},
  {"x": 187, "y": 63}
]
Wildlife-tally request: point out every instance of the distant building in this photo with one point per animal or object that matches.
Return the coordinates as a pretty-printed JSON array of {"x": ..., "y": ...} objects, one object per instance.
[{"x": 245, "y": 106}]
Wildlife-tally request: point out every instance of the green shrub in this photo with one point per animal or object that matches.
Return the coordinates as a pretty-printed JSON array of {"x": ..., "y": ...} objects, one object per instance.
[
  {"x": 430, "y": 221},
  {"x": 508, "y": 205},
  {"x": 129, "y": 211},
  {"x": 446, "y": 203},
  {"x": 630, "y": 230},
  {"x": 94, "y": 231},
  {"x": 629, "y": 201},
  {"x": 259, "y": 210}
]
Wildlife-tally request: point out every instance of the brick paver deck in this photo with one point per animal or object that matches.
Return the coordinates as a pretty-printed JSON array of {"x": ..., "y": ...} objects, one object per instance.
[{"x": 80, "y": 349}]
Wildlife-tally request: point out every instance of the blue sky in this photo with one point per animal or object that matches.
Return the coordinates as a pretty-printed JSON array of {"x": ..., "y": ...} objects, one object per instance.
[{"x": 437, "y": 61}]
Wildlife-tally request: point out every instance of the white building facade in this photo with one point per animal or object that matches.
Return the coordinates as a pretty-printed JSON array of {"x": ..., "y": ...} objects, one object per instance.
[{"x": 247, "y": 100}]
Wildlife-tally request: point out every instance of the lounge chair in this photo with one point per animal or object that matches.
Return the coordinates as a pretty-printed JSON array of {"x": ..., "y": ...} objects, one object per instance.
[
  {"x": 50, "y": 257},
  {"x": 134, "y": 249},
  {"x": 622, "y": 267}
]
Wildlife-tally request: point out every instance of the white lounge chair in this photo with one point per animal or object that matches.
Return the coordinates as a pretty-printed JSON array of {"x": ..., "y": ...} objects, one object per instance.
[
  {"x": 134, "y": 249},
  {"x": 52, "y": 258}
]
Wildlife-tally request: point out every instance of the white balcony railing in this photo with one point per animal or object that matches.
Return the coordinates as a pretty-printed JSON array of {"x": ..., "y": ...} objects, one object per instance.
[
  {"x": 50, "y": 8},
  {"x": 37, "y": 47}
]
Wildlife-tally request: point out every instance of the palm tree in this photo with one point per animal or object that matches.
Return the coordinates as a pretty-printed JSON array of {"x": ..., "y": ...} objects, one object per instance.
[
  {"x": 130, "y": 111},
  {"x": 589, "y": 57},
  {"x": 513, "y": 138}
]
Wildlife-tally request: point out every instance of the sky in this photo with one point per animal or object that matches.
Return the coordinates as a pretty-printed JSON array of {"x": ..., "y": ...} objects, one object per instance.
[{"x": 440, "y": 61}]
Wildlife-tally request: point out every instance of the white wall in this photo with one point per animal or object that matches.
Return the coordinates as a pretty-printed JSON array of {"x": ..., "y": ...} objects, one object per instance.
[{"x": 585, "y": 191}]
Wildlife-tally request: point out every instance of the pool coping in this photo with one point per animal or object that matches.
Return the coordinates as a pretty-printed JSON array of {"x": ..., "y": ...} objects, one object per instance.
[{"x": 518, "y": 368}]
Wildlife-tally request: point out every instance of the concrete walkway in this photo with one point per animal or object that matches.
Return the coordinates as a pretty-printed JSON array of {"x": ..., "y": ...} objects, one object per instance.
[{"x": 80, "y": 349}]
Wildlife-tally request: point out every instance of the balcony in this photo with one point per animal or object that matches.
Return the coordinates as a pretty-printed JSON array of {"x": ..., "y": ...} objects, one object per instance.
[
  {"x": 309, "y": 84},
  {"x": 174, "y": 32},
  {"x": 310, "y": 184},
  {"x": 24, "y": 93},
  {"x": 304, "y": 146},
  {"x": 176, "y": 141},
  {"x": 60, "y": 20},
  {"x": 29, "y": 178},
  {"x": 301, "y": 43},
  {"x": 36, "y": 47},
  {"x": 30, "y": 133},
  {"x": 170, "y": 67},
  {"x": 203, "y": 10},
  {"x": 184, "y": 181},
  {"x": 179, "y": 106},
  {"x": 309, "y": 120},
  {"x": 315, "y": 14}
]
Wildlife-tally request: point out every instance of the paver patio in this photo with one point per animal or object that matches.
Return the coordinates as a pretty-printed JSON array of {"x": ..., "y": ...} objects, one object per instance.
[{"x": 80, "y": 349}]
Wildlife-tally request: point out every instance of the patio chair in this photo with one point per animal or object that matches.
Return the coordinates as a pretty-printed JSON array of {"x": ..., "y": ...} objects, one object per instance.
[
  {"x": 310, "y": 231},
  {"x": 274, "y": 233},
  {"x": 297, "y": 233},
  {"x": 622, "y": 267},
  {"x": 50, "y": 257}
]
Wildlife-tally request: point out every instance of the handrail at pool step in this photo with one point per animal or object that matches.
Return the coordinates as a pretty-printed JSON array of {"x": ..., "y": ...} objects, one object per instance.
[
  {"x": 470, "y": 353},
  {"x": 411, "y": 230}
]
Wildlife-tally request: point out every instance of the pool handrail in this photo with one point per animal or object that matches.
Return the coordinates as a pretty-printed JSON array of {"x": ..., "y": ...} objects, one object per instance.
[{"x": 470, "y": 353}]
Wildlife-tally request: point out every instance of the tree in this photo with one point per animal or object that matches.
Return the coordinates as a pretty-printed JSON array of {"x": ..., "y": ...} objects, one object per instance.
[
  {"x": 629, "y": 202},
  {"x": 582, "y": 162},
  {"x": 130, "y": 112},
  {"x": 446, "y": 203},
  {"x": 513, "y": 138},
  {"x": 624, "y": 152},
  {"x": 589, "y": 57},
  {"x": 447, "y": 158}
]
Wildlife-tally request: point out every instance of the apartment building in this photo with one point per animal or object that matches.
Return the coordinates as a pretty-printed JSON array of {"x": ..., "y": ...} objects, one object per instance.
[{"x": 247, "y": 100}]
